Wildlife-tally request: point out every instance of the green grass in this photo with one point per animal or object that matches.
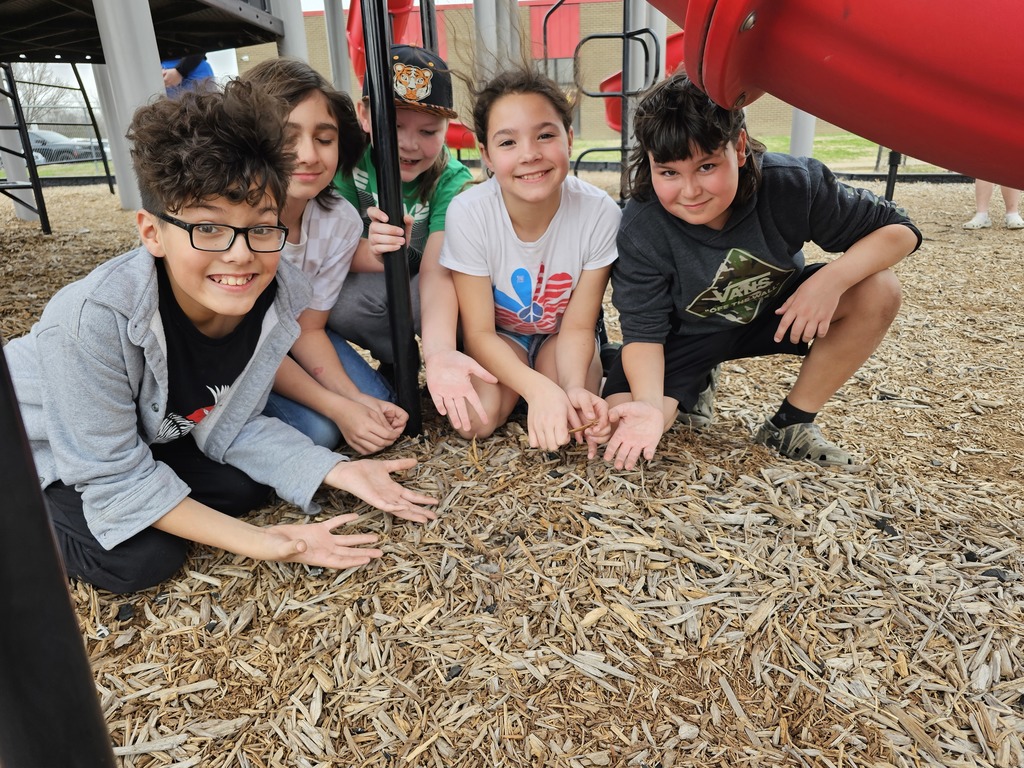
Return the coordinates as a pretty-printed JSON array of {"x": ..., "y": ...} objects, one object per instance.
[
  {"x": 831, "y": 148},
  {"x": 838, "y": 149},
  {"x": 55, "y": 170}
]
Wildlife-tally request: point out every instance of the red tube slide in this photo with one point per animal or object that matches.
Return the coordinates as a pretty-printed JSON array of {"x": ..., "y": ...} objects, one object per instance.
[
  {"x": 933, "y": 79},
  {"x": 458, "y": 136}
]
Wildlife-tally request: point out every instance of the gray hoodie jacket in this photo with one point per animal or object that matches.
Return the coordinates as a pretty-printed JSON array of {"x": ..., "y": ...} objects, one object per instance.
[{"x": 91, "y": 382}]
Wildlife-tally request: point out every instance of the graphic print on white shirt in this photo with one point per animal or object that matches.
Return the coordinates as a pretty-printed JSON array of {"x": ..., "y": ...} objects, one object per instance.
[{"x": 532, "y": 307}]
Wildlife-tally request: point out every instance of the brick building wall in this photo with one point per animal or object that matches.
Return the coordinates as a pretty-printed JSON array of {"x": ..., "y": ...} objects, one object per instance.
[{"x": 768, "y": 116}]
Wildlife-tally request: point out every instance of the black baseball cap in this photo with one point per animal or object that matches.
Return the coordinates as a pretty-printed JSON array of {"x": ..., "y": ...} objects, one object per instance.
[{"x": 420, "y": 80}]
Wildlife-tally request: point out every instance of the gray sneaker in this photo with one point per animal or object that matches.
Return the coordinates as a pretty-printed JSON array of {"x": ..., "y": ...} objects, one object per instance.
[
  {"x": 803, "y": 441},
  {"x": 703, "y": 413}
]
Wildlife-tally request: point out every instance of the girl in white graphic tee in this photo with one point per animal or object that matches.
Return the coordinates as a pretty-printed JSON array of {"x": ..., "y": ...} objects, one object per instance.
[{"x": 531, "y": 250}]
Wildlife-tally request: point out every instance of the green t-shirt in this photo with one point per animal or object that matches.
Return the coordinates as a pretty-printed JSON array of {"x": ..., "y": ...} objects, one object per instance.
[{"x": 360, "y": 189}]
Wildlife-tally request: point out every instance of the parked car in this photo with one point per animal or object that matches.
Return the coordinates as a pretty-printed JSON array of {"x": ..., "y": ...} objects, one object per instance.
[
  {"x": 92, "y": 146},
  {"x": 58, "y": 148},
  {"x": 39, "y": 159}
]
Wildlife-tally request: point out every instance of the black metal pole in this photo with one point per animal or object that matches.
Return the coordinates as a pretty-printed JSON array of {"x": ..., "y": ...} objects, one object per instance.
[
  {"x": 389, "y": 187},
  {"x": 49, "y": 712},
  {"x": 95, "y": 128},
  {"x": 890, "y": 179},
  {"x": 428, "y": 25}
]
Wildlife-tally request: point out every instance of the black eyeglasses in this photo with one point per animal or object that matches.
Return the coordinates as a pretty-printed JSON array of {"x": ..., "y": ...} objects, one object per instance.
[{"x": 264, "y": 238}]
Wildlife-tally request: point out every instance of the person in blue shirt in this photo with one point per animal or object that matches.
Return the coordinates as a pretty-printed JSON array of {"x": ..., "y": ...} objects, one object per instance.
[{"x": 185, "y": 73}]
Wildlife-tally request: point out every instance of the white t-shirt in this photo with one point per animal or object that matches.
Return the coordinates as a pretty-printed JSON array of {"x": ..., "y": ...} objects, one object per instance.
[
  {"x": 327, "y": 243},
  {"x": 532, "y": 282}
]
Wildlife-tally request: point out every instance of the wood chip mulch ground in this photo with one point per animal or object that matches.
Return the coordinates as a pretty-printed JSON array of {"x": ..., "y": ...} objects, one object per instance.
[{"x": 719, "y": 606}]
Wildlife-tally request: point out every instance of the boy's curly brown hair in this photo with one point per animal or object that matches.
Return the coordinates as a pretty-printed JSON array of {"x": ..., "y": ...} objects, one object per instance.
[{"x": 203, "y": 145}]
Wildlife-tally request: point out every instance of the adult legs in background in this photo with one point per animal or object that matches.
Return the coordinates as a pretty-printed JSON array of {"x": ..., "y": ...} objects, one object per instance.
[{"x": 983, "y": 191}]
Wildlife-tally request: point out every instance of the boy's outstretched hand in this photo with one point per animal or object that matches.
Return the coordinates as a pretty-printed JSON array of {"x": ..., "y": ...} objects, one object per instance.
[
  {"x": 370, "y": 480},
  {"x": 638, "y": 429},
  {"x": 316, "y": 545}
]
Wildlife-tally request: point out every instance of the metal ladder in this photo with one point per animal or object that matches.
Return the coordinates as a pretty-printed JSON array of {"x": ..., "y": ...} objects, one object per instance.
[{"x": 8, "y": 187}]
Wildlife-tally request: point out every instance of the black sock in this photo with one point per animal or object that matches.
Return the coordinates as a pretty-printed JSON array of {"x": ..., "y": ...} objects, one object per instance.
[{"x": 787, "y": 415}]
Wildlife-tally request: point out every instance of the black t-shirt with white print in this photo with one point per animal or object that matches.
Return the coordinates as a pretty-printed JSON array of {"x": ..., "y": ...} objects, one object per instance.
[{"x": 201, "y": 369}]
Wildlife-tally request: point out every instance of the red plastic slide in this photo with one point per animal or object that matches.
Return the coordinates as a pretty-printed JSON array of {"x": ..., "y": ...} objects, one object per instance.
[
  {"x": 613, "y": 83},
  {"x": 458, "y": 136},
  {"x": 398, "y": 11},
  {"x": 933, "y": 79}
]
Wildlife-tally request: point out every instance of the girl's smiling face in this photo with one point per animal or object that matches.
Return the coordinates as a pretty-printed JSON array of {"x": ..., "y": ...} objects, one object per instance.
[
  {"x": 527, "y": 147},
  {"x": 316, "y": 147},
  {"x": 702, "y": 188}
]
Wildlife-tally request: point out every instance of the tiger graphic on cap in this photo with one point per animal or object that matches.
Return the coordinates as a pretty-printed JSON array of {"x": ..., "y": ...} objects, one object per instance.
[{"x": 412, "y": 83}]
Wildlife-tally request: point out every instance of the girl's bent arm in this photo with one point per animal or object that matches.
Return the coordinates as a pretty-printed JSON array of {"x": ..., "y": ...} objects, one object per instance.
[
  {"x": 314, "y": 351},
  {"x": 449, "y": 372},
  {"x": 578, "y": 330},
  {"x": 363, "y": 260},
  {"x": 314, "y": 376}
]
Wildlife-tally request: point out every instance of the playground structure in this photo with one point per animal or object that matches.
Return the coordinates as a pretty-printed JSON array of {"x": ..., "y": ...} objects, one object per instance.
[
  {"x": 921, "y": 81},
  {"x": 932, "y": 83},
  {"x": 985, "y": 139}
]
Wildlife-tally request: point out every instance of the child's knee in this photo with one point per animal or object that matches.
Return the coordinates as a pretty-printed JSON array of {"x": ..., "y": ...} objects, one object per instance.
[
  {"x": 887, "y": 292},
  {"x": 146, "y": 560},
  {"x": 878, "y": 297},
  {"x": 477, "y": 431}
]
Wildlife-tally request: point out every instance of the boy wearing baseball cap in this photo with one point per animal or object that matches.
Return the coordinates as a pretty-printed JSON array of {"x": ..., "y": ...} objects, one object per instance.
[{"x": 431, "y": 177}]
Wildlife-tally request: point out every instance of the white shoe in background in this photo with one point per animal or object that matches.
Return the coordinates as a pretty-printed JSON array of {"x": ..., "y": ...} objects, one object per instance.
[{"x": 980, "y": 221}]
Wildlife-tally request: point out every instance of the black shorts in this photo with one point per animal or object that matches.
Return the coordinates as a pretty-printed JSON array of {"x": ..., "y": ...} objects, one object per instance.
[{"x": 690, "y": 358}]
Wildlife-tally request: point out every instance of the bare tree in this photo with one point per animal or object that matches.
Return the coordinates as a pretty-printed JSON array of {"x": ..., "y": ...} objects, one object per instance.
[{"x": 46, "y": 97}]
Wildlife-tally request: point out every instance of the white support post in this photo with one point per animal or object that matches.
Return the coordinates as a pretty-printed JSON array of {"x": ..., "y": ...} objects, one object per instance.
[
  {"x": 337, "y": 45},
  {"x": 133, "y": 67},
  {"x": 294, "y": 41},
  {"x": 801, "y": 135},
  {"x": 120, "y": 155},
  {"x": 498, "y": 39}
]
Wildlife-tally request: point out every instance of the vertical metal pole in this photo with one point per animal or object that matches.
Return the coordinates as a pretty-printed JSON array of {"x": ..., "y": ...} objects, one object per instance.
[
  {"x": 428, "y": 25},
  {"x": 487, "y": 56},
  {"x": 133, "y": 65},
  {"x": 890, "y": 179},
  {"x": 49, "y": 713},
  {"x": 626, "y": 111},
  {"x": 389, "y": 187},
  {"x": 801, "y": 134}
]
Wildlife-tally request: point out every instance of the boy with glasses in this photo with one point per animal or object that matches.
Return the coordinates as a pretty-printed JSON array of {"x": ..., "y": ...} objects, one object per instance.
[{"x": 143, "y": 384}]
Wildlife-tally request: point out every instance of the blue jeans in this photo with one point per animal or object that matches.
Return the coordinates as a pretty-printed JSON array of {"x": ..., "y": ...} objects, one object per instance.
[{"x": 317, "y": 427}]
